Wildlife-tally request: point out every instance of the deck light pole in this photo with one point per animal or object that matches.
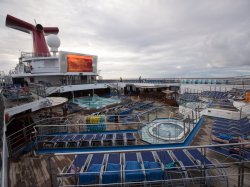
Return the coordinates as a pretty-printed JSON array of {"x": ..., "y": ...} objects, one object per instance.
[
  {"x": 73, "y": 97},
  {"x": 89, "y": 100}
]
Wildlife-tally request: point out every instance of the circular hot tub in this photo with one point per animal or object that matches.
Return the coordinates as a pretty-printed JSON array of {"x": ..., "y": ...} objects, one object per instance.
[{"x": 167, "y": 129}]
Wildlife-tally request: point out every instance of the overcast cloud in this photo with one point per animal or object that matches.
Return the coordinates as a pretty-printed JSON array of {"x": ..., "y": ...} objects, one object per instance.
[{"x": 148, "y": 38}]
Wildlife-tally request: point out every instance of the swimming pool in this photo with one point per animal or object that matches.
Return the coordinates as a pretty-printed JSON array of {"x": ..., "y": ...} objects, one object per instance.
[{"x": 95, "y": 102}]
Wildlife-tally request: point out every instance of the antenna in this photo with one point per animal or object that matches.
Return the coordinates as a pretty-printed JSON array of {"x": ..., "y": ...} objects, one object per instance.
[{"x": 35, "y": 21}]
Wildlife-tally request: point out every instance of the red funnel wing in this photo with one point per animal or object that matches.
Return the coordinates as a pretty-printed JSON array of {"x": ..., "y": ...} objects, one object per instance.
[
  {"x": 50, "y": 30},
  {"x": 18, "y": 24}
]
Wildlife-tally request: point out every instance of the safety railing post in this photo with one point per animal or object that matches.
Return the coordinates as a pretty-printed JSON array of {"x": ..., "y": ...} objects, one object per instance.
[{"x": 241, "y": 167}]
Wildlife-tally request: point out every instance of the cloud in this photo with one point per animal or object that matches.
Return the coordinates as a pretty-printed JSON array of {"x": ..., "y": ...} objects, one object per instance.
[
  {"x": 149, "y": 38},
  {"x": 229, "y": 49}
]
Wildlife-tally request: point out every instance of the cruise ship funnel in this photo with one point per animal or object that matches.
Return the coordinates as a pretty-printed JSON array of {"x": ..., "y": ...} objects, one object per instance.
[{"x": 40, "y": 47}]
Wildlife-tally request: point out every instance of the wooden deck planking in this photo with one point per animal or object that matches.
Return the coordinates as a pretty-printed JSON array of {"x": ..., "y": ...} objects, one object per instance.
[{"x": 34, "y": 172}]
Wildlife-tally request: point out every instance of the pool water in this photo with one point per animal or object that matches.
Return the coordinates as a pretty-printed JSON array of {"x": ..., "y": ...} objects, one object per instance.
[
  {"x": 167, "y": 130},
  {"x": 163, "y": 130},
  {"x": 95, "y": 102}
]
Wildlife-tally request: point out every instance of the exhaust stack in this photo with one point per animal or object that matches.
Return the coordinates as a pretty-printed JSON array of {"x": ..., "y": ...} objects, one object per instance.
[{"x": 38, "y": 32}]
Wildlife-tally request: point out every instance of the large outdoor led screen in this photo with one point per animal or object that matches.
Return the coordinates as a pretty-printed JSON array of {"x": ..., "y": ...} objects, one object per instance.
[{"x": 79, "y": 63}]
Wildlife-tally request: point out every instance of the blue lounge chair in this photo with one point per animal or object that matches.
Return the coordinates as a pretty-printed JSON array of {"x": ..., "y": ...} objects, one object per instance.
[
  {"x": 78, "y": 137},
  {"x": 64, "y": 141},
  {"x": 112, "y": 173},
  {"x": 43, "y": 140},
  {"x": 152, "y": 168},
  {"x": 93, "y": 172},
  {"x": 119, "y": 139},
  {"x": 223, "y": 136},
  {"x": 184, "y": 159},
  {"x": 97, "y": 140},
  {"x": 78, "y": 163},
  {"x": 231, "y": 133},
  {"x": 133, "y": 168},
  {"x": 86, "y": 141},
  {"x": 168, "y": 162},
  {"x": 53, "y": 142},
  {"x": 201, "y": 159},
  {"x": 73, "y": 143},
  {"x": 58, "y": 138},
  {"x": 225, "y": 151},
  {"x": 164, "y": 157},
  {"x": 68, "y": 137},
  {"x": 226, "y": 128},
  {"x": 108, "y": 140},
  {"x": 218, "y": 125},
  {"x": 147, "y": 156},
  {"x": 230, "y": 151},
  {"x": 131, "y": 140},
  {"x": 188, "y": 165}
]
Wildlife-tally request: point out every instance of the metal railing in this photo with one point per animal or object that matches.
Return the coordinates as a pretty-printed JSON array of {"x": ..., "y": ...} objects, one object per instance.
[
  {"x": 3, "y": 147},
  {"x": 1, "y": 135},
  {"x": 81, "y": 128},
  {"x": 31, "y": 54},
  {"x": 20, "y": 141},
  {"x": 227, "y": 171},
  {"x": 23, "y": 140}
]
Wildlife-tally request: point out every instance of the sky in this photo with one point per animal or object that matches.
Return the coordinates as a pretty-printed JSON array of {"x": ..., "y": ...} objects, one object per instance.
[{"x": 147, "y": 38}]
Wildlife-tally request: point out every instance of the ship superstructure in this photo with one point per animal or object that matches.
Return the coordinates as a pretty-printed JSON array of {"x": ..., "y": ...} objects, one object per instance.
[{"x": 52, "y": 70}]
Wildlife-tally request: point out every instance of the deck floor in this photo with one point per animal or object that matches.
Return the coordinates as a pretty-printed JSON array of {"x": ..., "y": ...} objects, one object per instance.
[{"x": 33, "y": 171}]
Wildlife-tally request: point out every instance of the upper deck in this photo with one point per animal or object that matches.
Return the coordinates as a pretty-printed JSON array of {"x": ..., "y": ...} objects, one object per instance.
[{"x": 58, "y": 64}]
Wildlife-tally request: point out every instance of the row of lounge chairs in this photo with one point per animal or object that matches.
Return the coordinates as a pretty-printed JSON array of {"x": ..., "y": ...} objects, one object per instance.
[
  {"x": 189, "y": 97},
  {"x": 215, "y": 94},
  {"x": 143, "y": 105},
  {"x": 146, "y": 166},
  {"x": 221, "y": 103},
  {"x": 126, "y": 109},
  {"x": 85, "y": 140},
  {"x": 231, "y": 131},
  {"x": 234, "y": 128}
]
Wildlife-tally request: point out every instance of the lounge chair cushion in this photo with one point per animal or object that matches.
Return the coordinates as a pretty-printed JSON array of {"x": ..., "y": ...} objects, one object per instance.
[
  {"x": 136, "y": 175},
  {"x": 225, "y": 136},
  {"x": 153, "y": 171},
  {"x": 112, "y": 174},
  {"x": 90, "y": 178}
]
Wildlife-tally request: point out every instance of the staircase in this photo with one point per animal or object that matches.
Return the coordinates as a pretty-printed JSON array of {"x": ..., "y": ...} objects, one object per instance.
[
  {"x": 51, "y": 90},
  {"x": 42, "y": 90}
]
